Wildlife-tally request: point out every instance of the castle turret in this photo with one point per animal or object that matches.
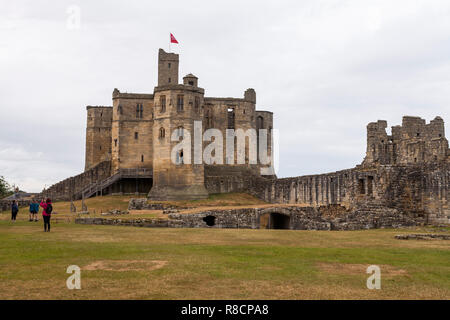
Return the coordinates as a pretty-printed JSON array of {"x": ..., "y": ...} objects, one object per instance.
[
  {"x": 175, "y": 173},
  {"x": 190, "y": 80},
  {"x": 167, "y": 68},
  {"x": 98, "y": 135}
]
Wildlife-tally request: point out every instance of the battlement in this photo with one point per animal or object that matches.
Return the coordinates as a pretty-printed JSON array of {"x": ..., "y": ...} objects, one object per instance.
[
  {"x": 98, "y": 107},
  {"x": 125, "y": 95},
  {"x": 414, "y": 141}
]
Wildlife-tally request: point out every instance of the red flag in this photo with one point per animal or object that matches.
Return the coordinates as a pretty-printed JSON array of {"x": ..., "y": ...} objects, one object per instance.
[{"x": 172, "y": 39}]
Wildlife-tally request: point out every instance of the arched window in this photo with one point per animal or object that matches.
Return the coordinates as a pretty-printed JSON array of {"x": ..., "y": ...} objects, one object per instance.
[
  {"x": 162, "y": 133},
  {"x": 260, "y": 122}
]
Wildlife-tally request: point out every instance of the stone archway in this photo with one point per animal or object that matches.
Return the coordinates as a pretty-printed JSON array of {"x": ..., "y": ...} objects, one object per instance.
[{"x": 275, "y": 218}]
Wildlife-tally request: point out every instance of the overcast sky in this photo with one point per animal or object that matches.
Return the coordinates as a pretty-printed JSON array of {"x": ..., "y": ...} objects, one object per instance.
[{"x": 325, "y": 68}]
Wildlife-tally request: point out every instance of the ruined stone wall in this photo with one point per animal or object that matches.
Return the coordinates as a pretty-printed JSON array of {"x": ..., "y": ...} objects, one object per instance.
[
  {"x": 98, "y": 135},
  {"x": 238, "y": 114},
  {"x": 291, "y": 217},
  {"x": 296, "y": 218},
  {"x": 411, "y": 143},
  {"x": 64, "y": 189},
  {"x": 5, "y": 205},
  {"x": 416, "y": 189},
  {"x": 434, "y": 190}
]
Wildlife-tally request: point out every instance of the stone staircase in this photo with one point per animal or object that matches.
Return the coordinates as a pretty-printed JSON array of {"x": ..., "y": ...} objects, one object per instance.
[{"x": 98, "y": 187}]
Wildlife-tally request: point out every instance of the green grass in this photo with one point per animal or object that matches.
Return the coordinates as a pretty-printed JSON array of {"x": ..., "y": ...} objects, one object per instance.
[
  {"x": 217, "y": 263},
  {"x": 97, "y": 205}
]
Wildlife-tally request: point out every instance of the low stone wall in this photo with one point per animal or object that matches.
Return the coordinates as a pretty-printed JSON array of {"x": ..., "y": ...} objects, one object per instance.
[
  {"x": 5, "y": 205},
  {"x": 300, "y": 218},
  {"x": 424, "y": 236},
  {"x": 291, "y": 217},
  {"x": 147, "y": 223},
  {"x": 143, "y": 204}
]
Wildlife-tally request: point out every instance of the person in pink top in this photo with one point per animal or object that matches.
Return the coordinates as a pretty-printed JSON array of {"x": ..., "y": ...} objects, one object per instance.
[{"x": 46, "y": 213}]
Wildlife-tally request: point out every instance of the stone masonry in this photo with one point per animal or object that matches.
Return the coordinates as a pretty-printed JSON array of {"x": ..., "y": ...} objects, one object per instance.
[{"x": 407, "y": 170}]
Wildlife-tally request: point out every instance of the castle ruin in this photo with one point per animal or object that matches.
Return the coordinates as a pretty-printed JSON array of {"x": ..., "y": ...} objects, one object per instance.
[{"x": 128, "y": 151}]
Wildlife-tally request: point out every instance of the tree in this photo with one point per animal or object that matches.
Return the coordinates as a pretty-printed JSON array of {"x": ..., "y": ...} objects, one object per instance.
[{"x": 5, "y": 188}]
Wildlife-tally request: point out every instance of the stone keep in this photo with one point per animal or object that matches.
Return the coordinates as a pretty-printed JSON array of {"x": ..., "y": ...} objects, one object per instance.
[{"x": 135, "y": 133}]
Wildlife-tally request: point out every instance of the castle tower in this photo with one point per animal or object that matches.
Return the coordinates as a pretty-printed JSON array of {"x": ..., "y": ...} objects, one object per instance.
[
  {"x": 98, "y": 135},
  {"x": 176, "y": 107},
  {"x": 167, "y": 68}
]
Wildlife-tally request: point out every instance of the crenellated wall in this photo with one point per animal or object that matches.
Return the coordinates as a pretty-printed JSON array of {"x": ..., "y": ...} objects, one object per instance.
[{"x": 413, "y": 142}]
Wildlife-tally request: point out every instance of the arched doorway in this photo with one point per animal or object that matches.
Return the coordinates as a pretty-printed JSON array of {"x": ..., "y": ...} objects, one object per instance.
[{"x": 275, "y": 220}]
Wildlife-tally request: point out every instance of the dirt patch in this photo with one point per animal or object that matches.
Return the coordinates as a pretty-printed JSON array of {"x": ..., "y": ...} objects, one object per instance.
[
  {"x": 358, "y": 269},
  {"x": 125, "y": 265}
]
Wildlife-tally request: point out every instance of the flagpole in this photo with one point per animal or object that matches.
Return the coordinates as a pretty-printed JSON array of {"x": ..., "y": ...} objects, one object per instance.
[{"x": 170, "y": 40}]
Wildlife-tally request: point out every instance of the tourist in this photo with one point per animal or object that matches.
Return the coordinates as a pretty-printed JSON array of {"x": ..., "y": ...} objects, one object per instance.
[
  {"x": 34, "y": 209},
  {"x": 46, "y": 213},
  {"x": 14, "y": 210}
]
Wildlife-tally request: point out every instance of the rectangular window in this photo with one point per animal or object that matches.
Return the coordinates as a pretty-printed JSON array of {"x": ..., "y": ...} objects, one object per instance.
[
  {"x": 361, "y": 186},
  {"x": 162, "y": 102},
  {"x": 136, "y": 135},
  {"x": 115, "y": 142},
  {"x": 180, "y": 102},
  {"x": 370, "y": 185},
  {"x": 139, "y": 110}
]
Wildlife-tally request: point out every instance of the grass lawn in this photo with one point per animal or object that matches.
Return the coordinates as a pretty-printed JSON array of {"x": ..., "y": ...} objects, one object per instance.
[
  {"x": 97, "y": 205},
  {"x": 144, "y": 263}
]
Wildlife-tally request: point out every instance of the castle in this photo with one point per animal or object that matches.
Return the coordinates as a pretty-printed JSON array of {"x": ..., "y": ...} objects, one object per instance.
[
  {"x": 134, "y": 135},
  {"x": 128, "y": 151}
]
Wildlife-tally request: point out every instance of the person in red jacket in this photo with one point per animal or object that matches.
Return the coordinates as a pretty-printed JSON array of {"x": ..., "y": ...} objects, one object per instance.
[{"x": 46, "y": 213}]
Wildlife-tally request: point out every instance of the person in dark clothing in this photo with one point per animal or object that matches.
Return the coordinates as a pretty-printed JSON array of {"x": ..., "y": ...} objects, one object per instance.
[
  {"x": 34, "y": 209},
  {"x": 14, "y": 210},
  {"x": 46, "y": 213}
]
